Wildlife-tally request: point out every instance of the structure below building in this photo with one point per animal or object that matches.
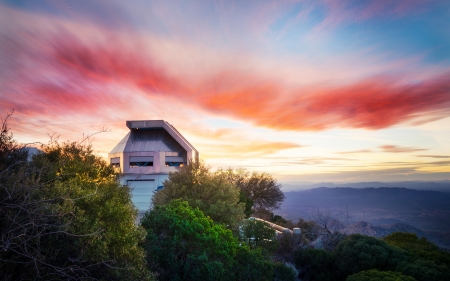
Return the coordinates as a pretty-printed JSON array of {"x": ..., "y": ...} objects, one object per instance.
[{"x": 147, "y": 154}]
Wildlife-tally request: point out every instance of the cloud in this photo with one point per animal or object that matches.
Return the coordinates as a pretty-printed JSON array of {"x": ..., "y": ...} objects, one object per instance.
[
  {"x": 245, "y": 149},
  {"x": 399, "y": 149},
  {"x": 355, "y": 151},
  {"x": 371, "y": 104},
  {"x": 391, "y": 174},
  {"x": 343, "y": 12},
  {"x": 62, "y": 71},
  {"x": 393, "y": 149},
  {"x": 433, "y": 156},
  {"x": 317, "y": 160}
]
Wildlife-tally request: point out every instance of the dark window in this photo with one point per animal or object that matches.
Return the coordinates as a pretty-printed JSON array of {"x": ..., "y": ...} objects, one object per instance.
[
  {"x": 174, "y": 161},
  {"x": 174, "y": 164},
  {"x": 115, "y": 162},
  {"x": 141, "y": 161},
  {"x": 141, "y": 164}
]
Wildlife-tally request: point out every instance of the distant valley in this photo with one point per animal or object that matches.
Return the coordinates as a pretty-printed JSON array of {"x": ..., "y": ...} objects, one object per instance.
[
  {"x": 440, "y": 185},
  {"x": 385, "y": 209}
]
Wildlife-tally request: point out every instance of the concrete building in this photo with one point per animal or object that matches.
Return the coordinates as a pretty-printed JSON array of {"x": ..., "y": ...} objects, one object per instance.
[{"x": 147, "y": 154}]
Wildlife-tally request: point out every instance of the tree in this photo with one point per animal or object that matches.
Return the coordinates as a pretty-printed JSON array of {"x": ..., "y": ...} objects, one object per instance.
[
  {"x": 211, "y": 192},
  {"x": 97, "y": 209},
  {"x": 315, "y": 264},
  {"x": 327, "y": 229},
  {"x": 283, "y": 272},
  {"x": 252, "y": 265},
  {"x": 423, "y": 270},
  {"x": 357, "y": 253},
  {"x": 262, "y": 188},
  {"x": 425, "y": 262},
  {"x": 183, "y": 244},
  {"x": 248, "y": 203},
  {"x": 258, "y": 234},
  {"x": 375, "y": 275},
  {"x": 64, "y": 216},
  {"x": 417, "y": 247},
  {"x": 288, "y": 243}
]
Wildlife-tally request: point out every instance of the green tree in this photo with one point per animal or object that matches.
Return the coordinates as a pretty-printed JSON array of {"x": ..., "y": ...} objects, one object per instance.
[
  {"x": 261, "y": 188},
  {"x": 258, "y": 234},
  {"x": 288, "y": 243},
  {"x": 211, "y": 192},
  {"x": 375, "y": 275},
  {"x": 97, "y": 209},
  {"x": 64, "y": 216},
  {"x": 315, "y": 264},
  {"x": 252, "y": 265},
  {"x": 283, "y": 272},
  {"x": 418, "y": 247},
  {"x": 248, "y": 203},
  {"x": 425, "y": 260},
  {"x": 357, "y": 253},
  {"x": 423, "y": 270},
  {"x": 183, "y": 244}
]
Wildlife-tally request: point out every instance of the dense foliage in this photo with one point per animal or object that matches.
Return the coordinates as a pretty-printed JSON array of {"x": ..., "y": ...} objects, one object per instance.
[
  {"x": 315, "y": 264},
  {"x": 211, "y": 192},
  {"x": 258, "y": 234},
  {"x": 261, "y": 188},
  {"x": 183, "y": 244},
  {"x": 358, "y": 257},
  {"x": 425, "y": 260},
  {"x": 357, "y": 253},
  {"x": 375, "y": 275},
  {"x": 65, "y": 216}
]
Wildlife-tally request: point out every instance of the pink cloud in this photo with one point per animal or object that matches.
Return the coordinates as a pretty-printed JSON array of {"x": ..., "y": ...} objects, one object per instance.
[
  {"x": 48, "y": 72},
  {"x": 399, "y": 149}
]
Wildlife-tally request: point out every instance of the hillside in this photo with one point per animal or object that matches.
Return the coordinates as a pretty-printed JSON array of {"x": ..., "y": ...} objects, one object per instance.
[{"x": 426, "y": 210}]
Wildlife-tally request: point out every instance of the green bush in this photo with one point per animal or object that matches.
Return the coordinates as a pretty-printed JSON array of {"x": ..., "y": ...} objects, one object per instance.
[
  {"x": 283, "y": 272},
  {"x": 65, "y": 215},
  {"x": 256, "y": 233},
  {"x": 425, "y": 260},
  {"x": 358, "y": 253},
  {"x": 375, "y": 275},
  {"x": 315, "y": 264},
  {"x": 183, "y": 244},
  {"x": 211, "y": 192}
]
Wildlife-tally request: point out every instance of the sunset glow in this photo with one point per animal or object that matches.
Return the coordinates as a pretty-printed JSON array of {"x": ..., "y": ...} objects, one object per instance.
[{"x": 316, "y": 91}]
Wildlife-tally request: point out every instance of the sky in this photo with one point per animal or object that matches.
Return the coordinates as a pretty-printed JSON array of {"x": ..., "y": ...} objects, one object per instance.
[{"x": 309, "y": 90}]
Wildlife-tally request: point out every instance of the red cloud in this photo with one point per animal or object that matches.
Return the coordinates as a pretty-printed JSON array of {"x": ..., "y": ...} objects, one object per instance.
[
  {"x": 371, "y": 104},
  {"x": 72, "y": 76}
]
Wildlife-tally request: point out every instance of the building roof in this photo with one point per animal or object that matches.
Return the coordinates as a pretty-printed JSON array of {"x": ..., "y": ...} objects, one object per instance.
[{"x": 153, "y": 135}]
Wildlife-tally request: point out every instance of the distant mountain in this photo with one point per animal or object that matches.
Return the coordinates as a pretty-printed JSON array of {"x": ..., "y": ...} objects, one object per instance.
[
  {"x": 380, "y": 231},
  {"x": 426, "y": 210},
  {"x": 442, "y": 185}
]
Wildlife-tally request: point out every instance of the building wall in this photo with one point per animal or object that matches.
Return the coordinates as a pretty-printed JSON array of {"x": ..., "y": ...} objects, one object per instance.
[{"x": 150, "y": 138}]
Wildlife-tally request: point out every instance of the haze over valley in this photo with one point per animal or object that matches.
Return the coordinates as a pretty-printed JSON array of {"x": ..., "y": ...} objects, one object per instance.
[{"x": 425, "y": 210}]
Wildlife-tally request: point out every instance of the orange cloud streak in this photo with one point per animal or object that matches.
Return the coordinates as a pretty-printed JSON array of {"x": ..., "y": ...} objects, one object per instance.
[
  {"x": 399, "y": 149},
  {"x": 87, "y": 70},
  {"x": 246, "y": 149}
]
